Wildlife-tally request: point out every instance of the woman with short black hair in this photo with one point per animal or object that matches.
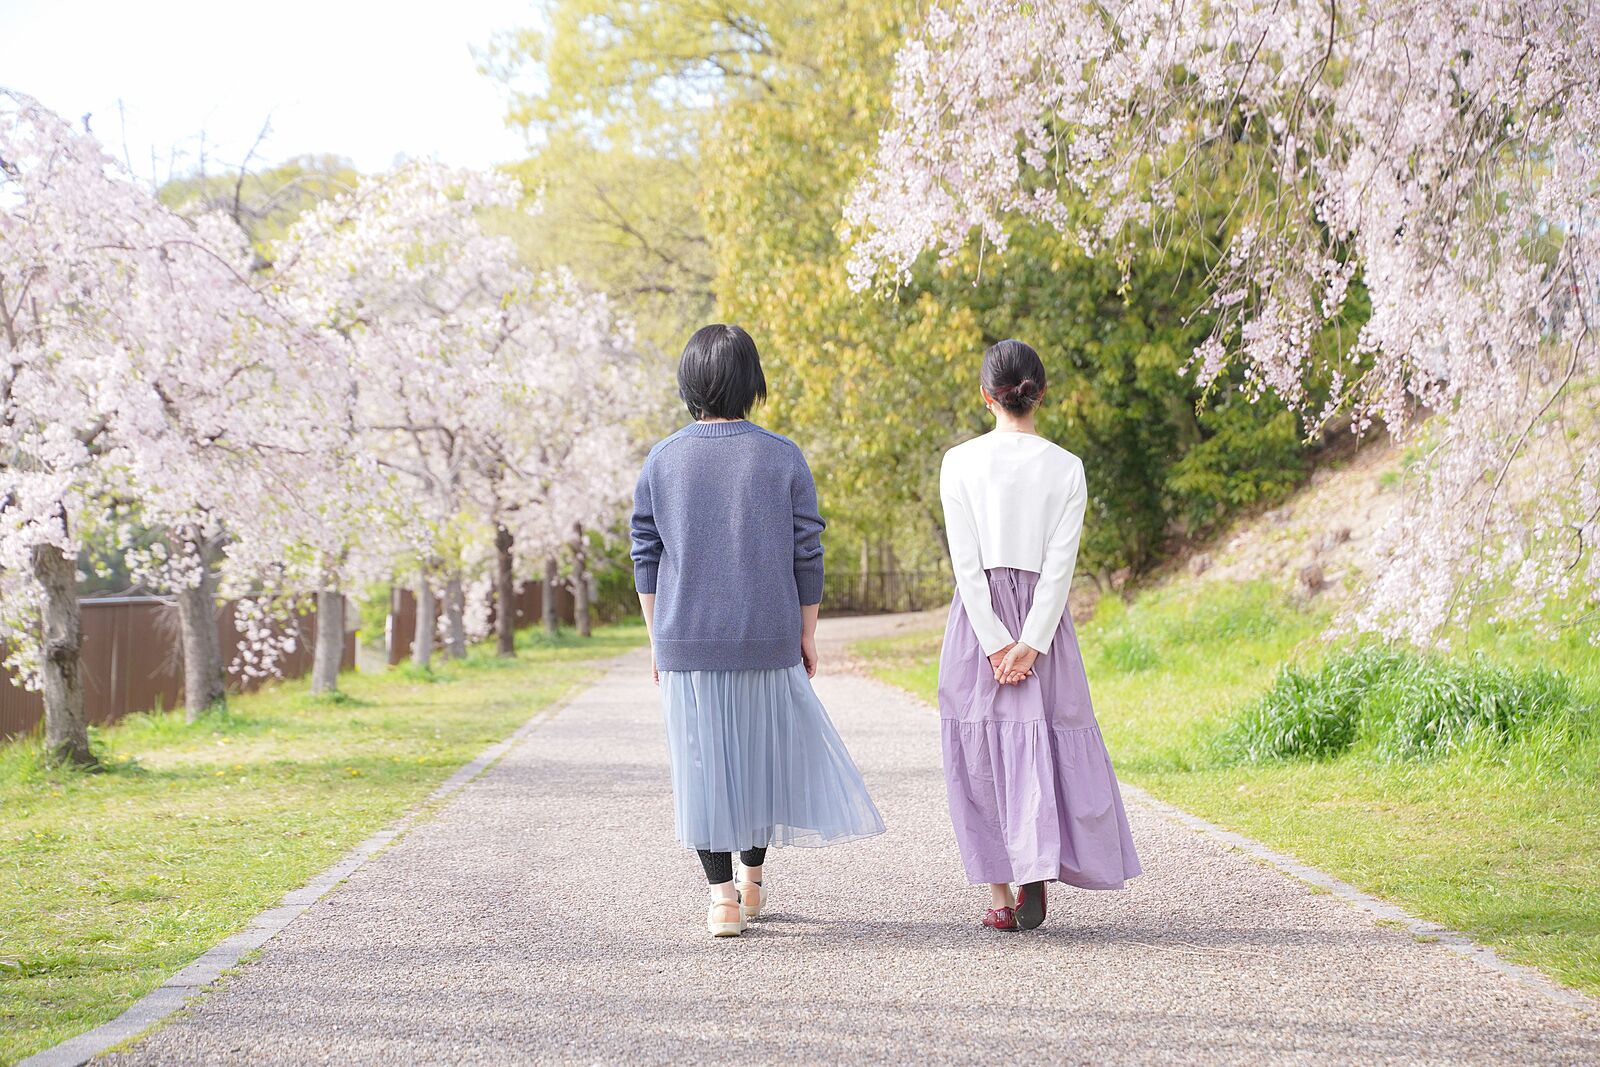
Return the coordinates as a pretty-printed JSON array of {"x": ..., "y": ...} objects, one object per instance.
[
  {"x": 727, "y": 553},
  {"x": 1032, "y": 795}
]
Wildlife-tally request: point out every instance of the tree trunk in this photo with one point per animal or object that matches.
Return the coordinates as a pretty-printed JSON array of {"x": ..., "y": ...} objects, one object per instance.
[
  {"x": 202, "y": 650},
  {"x": 455, "y": 613},
  {"x": 66, "y": 727},
  {"x": 505, "y": 594},
  {"x": 552, "y": 575},
  {"x": 391, "y": 639},
  {"x": 936, "y": 520},
  {"x": 328, "y": 654},
  {"x": 422, "y": 640},
  {"x": 891, "y": 577},
  {"x": 580, "y": 580}
]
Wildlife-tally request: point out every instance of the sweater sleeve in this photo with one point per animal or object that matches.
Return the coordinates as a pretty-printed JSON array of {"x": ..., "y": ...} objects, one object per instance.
[
  {"x": 1055, "y": 573},
  {"x": 646, "y": 550},
  {"x": 966, "y": 559},
  {"x": 808, "y": 527}
]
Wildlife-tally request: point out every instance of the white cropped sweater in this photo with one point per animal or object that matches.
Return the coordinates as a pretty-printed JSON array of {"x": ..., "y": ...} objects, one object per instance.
[{"x": 1013, "y": 500}]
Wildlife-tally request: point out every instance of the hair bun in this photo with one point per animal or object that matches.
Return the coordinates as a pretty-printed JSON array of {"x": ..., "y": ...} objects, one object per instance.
[
  {"x": 1025, "y": 389},
  {"x": 1014, "y": 376}
]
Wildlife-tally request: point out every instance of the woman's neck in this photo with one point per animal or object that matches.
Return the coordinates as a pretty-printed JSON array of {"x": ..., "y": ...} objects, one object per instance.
[
  {"x": 1005, "y": 422},
  {"x": 717, "y": 418}
]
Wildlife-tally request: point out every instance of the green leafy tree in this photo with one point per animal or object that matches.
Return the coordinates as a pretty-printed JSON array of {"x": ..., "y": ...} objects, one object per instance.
[
  {"x": 613, "y": 159},
  {"x": 773, "y": 108}
]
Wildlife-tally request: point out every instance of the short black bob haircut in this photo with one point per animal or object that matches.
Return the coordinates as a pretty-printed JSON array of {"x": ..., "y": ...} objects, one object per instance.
[
  {"x": 1013, "y": 374},
  {"x": 719, "y": 373}
]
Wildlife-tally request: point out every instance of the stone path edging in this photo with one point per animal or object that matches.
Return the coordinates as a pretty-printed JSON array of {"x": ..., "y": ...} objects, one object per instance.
[
  {"x": 1454, "y": 940},
  {"x": 192, "y": 980}
]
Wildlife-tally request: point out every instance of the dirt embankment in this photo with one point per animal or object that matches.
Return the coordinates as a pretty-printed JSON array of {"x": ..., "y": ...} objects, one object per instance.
[{"x": 1318, "y": 542}]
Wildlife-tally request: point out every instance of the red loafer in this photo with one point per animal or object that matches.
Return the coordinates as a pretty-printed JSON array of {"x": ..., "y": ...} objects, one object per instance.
[
  {"x": 1000, "y": 919},
  {"x": 1030, "y": 905}
]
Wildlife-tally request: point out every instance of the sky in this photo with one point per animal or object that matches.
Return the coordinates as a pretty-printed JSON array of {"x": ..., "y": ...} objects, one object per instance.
[{"x": 369, "y": 81}]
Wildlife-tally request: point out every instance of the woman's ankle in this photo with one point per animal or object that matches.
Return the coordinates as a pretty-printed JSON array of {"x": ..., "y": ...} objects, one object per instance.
[
  {"x": 724, "y": 893},
  {"x": 1000, "y": 896},
  {"x": 750, "y": 874}
]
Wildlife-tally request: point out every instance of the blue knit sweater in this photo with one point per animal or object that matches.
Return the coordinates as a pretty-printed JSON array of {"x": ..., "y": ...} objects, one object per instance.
[{"x": 727, "y": 535}]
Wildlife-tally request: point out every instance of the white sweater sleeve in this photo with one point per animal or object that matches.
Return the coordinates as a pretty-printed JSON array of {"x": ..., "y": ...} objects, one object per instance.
[
  {"x": 1055, "y": 574},
  {"x": 966, "y": 559}
]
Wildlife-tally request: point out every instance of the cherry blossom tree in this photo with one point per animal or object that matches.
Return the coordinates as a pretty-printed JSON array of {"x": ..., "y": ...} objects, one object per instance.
[
  {"x": 132, "y": 336},
  {"x": 602, "y": 469},
  {"x": 402, "y": 270},
  {"x": 574, "y": 391},
  {"x": 252, "y": 437},
  {"x": 308, "y": 491},
  {"x": 469, "y": 366},
  {"x": 1439, "y": 155}
]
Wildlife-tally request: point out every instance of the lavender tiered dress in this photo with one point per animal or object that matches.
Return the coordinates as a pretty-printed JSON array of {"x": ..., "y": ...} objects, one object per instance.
[{"x": 1032, "y": 794}]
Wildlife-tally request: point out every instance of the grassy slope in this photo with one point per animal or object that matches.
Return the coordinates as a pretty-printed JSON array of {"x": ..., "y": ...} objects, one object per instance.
[
  {"x": 109, "y": 882},
  {"x": 1500, "y": 843}
]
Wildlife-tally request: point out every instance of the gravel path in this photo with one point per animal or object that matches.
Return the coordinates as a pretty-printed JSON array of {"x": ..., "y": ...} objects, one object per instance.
[{"x": 546, "y": 915}]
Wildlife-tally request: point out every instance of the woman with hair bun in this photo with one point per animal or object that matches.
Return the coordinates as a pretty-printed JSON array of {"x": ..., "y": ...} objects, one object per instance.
[{"x": 1032, "y": 795}]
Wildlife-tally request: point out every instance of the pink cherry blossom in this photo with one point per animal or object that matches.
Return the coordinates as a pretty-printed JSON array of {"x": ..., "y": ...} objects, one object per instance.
[
  {"x": 368, "y": 408},
  {"x": 1439, "y": 154}
]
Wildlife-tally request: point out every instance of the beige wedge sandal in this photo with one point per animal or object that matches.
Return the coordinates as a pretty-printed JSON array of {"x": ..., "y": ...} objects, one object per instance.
[
  {"x": 724, "y": 929},
  {"x": 752, "y": 898}
]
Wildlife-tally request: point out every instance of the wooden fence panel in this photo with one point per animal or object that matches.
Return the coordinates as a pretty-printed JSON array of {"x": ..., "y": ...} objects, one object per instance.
[
  {"x": 132, "y": 661},
  {"x": 528, "y": 602}
]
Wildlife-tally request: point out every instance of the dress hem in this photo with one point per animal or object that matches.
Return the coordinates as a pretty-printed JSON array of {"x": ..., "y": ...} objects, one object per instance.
[{"x": 1060, "y": 878}]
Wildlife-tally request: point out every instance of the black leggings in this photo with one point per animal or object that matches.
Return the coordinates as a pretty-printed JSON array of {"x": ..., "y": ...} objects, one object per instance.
[{"x": 719, "y": 865}]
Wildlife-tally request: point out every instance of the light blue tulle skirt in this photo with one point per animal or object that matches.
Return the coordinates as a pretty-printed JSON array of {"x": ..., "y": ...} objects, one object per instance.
[{"x": 757, "y": 762}]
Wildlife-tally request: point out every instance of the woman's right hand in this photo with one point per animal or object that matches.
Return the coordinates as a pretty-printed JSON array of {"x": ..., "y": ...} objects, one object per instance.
[
  {"x": 1017, "y": 667},
  {"x": 1008, "y": 674},
  {"x": 997, "y": 658}
]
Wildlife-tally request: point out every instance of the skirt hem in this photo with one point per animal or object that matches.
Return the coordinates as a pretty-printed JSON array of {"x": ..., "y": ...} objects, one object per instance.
[{"x": 808, "y": 841}]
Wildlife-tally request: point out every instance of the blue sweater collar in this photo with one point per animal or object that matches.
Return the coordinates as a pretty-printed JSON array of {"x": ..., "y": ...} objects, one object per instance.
[{"x": 718, "y": 429}]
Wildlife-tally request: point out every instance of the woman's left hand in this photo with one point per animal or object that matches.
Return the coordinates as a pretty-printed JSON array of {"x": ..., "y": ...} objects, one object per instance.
[{"x": 1017, "y": 666}]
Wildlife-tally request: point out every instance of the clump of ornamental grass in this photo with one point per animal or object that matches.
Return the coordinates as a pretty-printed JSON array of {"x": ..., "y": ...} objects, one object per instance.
[
  {"x": 1440, "y": 707},
  {"x": 1402, "y": 706},
  {"x": 1309, "y": 714}
]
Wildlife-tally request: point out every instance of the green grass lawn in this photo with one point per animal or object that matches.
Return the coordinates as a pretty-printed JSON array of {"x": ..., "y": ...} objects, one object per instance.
[
  {"x": 1501, "y": 840},
  {"x": 111, "y": 881}
]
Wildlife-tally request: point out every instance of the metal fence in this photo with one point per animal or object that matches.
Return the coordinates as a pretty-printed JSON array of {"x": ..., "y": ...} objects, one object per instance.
[
  {"x": 132, "y": 661},
  {"x": 855, "y": 593},
  {"x": 529, "y": 604}
]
